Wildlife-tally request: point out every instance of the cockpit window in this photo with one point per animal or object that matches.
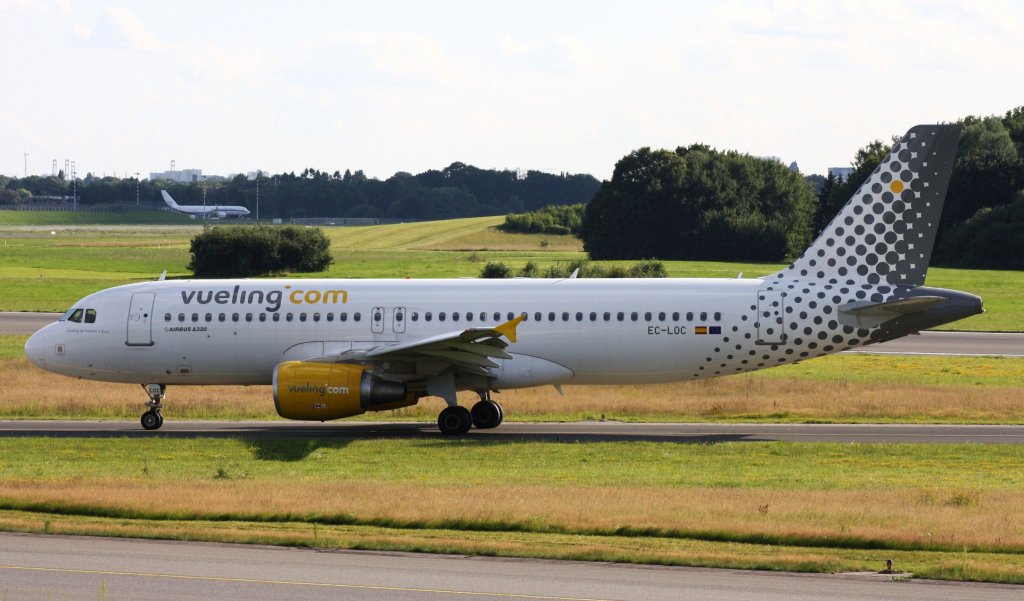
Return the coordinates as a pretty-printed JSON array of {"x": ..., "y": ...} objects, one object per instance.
[
  {"x": 90, "y": 316},
  {"x": 74, "y": 315}
]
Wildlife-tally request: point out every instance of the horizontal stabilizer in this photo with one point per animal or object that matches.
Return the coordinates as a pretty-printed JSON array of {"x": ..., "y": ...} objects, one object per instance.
[{"x": 866, "y": 314}]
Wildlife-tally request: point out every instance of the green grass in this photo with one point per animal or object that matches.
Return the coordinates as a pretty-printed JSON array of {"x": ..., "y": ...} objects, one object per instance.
[
  {"x": 819, "y": 511},
  {"x": 44, "y": 272},
  {"x": 65, "y": 218},
  {"x": 446, "y": 462}
]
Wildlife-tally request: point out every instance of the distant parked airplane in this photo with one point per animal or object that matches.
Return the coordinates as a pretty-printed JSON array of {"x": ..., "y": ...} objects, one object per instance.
[{"x": 211, "y": 211}]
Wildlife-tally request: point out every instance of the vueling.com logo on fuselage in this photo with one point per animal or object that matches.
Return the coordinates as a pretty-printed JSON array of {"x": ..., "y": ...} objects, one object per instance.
[{"x": 272, "y": 298}]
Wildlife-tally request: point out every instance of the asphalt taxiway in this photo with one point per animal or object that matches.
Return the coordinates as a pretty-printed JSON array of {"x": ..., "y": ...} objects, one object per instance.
[{"x": 58, "y": 567}]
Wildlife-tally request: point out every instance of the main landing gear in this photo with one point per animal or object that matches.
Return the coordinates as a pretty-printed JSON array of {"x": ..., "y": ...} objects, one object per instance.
[
  {"x": 456, "y": 420},
  {"x": 151, "y": 420}
]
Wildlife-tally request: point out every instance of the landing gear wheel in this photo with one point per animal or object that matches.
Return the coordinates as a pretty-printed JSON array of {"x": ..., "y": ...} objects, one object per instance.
[
  {"x": 454, "y": 421},
  {"x": 487, "y": 414},
  {"x": 151, "y": 420}
]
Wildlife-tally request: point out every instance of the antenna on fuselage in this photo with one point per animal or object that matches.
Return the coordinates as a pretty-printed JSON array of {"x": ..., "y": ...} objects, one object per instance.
[{"x": 163, "y": 276}]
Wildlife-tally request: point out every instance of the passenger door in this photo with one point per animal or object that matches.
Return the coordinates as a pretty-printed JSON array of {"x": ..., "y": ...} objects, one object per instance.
[{"x": 140, "y": 319}]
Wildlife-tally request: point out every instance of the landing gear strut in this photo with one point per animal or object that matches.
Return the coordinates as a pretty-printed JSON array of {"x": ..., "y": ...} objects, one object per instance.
[{"x": 151, "y": 420}]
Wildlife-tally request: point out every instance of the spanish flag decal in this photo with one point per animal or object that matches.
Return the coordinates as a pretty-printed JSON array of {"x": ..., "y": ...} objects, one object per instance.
[
  {"x": 707, "y": 330},
  {"x": 700, "y": 330}
]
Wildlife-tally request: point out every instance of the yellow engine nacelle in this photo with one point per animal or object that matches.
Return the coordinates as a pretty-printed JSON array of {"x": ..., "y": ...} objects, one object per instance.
[{"x": 323, "y": 391}]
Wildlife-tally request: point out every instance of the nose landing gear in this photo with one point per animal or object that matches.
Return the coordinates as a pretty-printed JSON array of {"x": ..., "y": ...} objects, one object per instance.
[{"x": 151, "y": 420}]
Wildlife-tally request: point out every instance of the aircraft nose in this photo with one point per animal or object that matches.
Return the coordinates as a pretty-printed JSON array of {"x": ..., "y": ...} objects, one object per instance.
[{"x": 34, "y": 349}]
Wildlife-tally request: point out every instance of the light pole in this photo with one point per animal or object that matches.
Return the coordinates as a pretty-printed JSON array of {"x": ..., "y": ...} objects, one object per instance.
[
  {"x": 26, "y": 163},
  {"x": 257, "y": 196},
  {"x": 136, "y": 188}
]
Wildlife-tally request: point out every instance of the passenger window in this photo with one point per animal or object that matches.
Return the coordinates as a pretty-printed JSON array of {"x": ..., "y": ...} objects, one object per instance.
[
  {"x": 661, "y": 316},
  {"x": 263, "y": 317},
  {"x": 222, "y": 317},
  {"x": 167, "y": 317},
  {"x": 607, "y": 316},
  {"x": 357, "y": 316},
  {"x": 276, "y": 317},
  {"x": 234, "y": 317},
  {"x": 342, "y": 316},
  {"x": 209, "y": 317},
  {"x": 181, "y": 317},
  {"x": 621, "y": 316},
  {"x": 551, "y": 316},
  {"x": 634, "y": 316},
  {"x": 428, "y": 316},
  {"x": 579, "y": 316},
  {"x": 593, "y": 316},
  {"x": 647, "y": 316},
  {"x": 511, "y": 316},
  {"x": 195, "y": 317},
  {"x": 415, "y": 316},
  {"x": 497, "y": 316},
  {"x": 289, "y": 317},
  {"x": 302, "y": 317},
  {"x": 718, "y": 316},
  {"x": 248, "y": 317},
  {"x": 675, "y": 316},
  {"x": 330, "y": 316},
  {"x": 455, "y": 316},
  {"x": 469, "y": 316},
  {"x": 90, "y": 316},
  {"x": 703, "y": 316},
  {"x": 76, "y": 316},
  {"x": 689, "y": 316},
  {"x": 483, "y": 316},
  {"x": 441, "y": 316},
  {"x": 316, "y": 317},
  {"x": 565, "y": 316},
  {"x": 378, "y": 316}
]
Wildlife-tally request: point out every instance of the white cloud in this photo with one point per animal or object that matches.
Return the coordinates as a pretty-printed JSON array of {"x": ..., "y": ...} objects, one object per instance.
[
  {"x": 119, "y": 28},
  {"x": 35, "y": 7}
]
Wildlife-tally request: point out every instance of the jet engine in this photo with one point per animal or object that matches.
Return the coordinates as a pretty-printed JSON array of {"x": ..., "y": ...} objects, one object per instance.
[{"x": 321, "y": 391}]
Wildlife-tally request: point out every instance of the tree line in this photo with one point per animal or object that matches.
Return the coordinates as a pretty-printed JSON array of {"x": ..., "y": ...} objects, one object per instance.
[
  {"x": 700, "y": 203},
  {"x": 458, "y": 190}
]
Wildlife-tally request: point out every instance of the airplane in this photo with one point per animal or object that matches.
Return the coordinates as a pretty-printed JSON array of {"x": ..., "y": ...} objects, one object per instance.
[
  {"x": 335, "y": 348},
  {"x": 212, "y": 211}
]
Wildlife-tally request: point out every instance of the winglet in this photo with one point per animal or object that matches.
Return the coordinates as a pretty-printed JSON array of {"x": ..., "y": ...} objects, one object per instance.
[{"x": 508, "y": 329}]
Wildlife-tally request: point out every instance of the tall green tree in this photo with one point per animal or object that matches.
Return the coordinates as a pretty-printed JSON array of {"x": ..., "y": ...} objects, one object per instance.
[{"x": 699, "y": 203}]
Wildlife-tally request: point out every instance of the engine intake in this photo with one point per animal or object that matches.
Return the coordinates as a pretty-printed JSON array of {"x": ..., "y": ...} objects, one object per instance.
[{"x": 321, "y": 391}]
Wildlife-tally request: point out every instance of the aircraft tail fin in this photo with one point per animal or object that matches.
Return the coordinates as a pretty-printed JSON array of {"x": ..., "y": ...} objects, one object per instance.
[
  {"x": 167, "y": 199},
  {"x": 886, "y": 231}
]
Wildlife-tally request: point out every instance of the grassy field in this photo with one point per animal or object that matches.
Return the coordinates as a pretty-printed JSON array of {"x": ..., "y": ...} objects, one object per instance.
[
  {"x": 47, "y": 272},
  {"x": 834, "y": 389},
  {"x": 946, "y": 511},
  {"x": 65, "y": 218}
]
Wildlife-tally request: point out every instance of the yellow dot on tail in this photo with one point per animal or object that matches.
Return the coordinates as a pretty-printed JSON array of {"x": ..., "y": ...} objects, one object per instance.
[{"x": 897, "y": 186}]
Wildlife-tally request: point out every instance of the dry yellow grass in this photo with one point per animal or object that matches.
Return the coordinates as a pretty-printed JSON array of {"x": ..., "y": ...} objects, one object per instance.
[
  {"x": 993, "y": 520},
  {"x": 32, "y": 392},
  {"x": 669, "y": 551}
]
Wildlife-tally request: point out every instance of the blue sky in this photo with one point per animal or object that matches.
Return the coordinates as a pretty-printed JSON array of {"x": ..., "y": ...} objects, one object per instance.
[{"x": 557, "y": 86}]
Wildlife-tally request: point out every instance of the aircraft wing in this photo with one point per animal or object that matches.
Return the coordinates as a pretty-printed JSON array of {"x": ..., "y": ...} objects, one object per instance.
[{"x": 469, "y": 351}]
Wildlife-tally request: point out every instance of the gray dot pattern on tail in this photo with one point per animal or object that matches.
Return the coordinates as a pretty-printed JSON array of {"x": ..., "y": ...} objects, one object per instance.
[{"x": 875, "y": 250}]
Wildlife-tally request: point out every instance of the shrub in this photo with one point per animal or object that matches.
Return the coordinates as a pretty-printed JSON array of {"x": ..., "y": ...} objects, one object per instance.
[
  {"x": 241, "y": 251},
  {"x": 496, "y": 270}
]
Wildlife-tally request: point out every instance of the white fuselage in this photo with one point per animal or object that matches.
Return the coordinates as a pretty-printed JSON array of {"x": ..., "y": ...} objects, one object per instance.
[{"x": 577, "y": 331}]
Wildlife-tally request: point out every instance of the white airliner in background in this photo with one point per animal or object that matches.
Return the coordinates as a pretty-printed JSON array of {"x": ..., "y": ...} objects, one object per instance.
[
  {"x": 337, "y": 348},
  {"x": 208, "y": 211}
]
